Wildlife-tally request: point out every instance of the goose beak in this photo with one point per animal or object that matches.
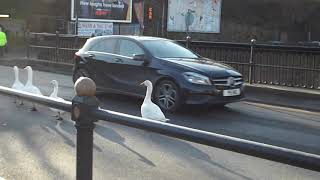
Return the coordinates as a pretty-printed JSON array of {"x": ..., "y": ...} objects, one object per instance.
[{"x": 142, "y": 84}]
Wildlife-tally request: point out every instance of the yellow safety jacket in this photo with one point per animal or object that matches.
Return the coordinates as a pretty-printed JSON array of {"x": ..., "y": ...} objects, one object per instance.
[{"x": 3, "y": 39}]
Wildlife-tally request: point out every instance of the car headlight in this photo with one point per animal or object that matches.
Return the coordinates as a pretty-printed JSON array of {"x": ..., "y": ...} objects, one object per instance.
[{"x": 196, "y": 78}]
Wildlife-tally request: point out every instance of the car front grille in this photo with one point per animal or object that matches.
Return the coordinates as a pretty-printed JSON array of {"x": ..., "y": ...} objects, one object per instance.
[{"x": 224, "y": 83}]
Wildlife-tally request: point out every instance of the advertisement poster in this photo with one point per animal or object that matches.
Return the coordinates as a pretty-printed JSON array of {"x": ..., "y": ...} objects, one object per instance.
[
  {"x": 102, "y": 10},
  {"x": 194, "y": 16},
  {"x": 95, "y": 28}
]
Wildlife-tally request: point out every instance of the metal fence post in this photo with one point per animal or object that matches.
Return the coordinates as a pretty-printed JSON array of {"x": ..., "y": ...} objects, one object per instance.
[
  {"x": 251, "y": 62},
  {"x": 188, "y": 41},
  {"x": 83, "y": 104},
  {"x": 57, "y": 47},
  {"x": 76, "y": 42},
  {"x": 28, "y": 43}
]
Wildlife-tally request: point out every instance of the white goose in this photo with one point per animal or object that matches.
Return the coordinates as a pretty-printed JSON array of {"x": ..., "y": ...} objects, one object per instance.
[
  {"x": 29, "y": 87},
  {"x": 17, "y": 85},
  {"x": 54, "y": 95},
  {"x": 150, "y": 110}
]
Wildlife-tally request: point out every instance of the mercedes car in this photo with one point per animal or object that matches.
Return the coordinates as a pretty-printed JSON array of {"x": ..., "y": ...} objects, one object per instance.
[{"x": 119, "y": 64}]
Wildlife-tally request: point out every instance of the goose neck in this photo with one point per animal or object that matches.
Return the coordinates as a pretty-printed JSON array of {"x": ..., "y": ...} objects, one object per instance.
[
  {"x": 55, "y": 90},
  {"x": 16, "y": 75},
  {"x": 148, "y": 94},
  {"x": 30, "y": 74}
]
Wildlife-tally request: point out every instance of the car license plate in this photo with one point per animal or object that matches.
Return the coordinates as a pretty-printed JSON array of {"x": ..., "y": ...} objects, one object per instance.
[{"x": 231, "y": 92}]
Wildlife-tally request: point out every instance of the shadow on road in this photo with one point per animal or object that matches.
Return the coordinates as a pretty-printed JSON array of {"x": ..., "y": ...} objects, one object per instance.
[
  {"x": 214, "y": 119},
  {"x": 115, "y": 137},
  {"x": 131, "y": 105},
  {"x": 30, "y": 151},
  {"x": 188, "y": 152},
  {"x": 66, "y": 130},
  {"x": 237, "y": 119},
  {"x": 55, "y": 127}
]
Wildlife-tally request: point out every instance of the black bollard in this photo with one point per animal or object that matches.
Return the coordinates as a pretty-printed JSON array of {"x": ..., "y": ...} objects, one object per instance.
[{"x": 83, "y": 104}]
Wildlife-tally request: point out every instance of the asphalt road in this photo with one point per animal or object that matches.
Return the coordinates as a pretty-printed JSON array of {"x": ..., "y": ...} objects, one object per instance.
[{"x": 35, "y": 146}]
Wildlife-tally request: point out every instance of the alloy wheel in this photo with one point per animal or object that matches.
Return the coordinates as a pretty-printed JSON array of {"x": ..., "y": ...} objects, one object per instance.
[{"x": 167, "y": 96}]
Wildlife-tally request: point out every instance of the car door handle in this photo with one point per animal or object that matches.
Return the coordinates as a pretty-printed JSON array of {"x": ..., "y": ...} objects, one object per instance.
[{"x": 118, "y": 60}]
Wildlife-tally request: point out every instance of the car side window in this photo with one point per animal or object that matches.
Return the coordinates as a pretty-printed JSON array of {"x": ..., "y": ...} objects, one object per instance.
[
  {"x": 129, "y": 48},
  {"x": 105, "y": 46}
]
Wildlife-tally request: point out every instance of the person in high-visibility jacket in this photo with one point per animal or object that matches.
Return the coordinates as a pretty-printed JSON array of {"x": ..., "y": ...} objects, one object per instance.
[{"x": 3, "y": 41}]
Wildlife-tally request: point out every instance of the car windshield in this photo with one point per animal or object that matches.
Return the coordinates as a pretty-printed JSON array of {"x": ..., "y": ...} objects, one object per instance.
[{"x": 167, "y": 49}]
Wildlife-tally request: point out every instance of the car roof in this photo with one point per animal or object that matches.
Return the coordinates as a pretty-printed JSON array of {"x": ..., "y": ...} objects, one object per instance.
[
  {"x": 91, "y": 41},
  {"x": 138, "y": 38}
]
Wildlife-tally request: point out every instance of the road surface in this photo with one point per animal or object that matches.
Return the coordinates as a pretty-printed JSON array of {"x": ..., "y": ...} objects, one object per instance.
[{"x": 33, "y": 145}]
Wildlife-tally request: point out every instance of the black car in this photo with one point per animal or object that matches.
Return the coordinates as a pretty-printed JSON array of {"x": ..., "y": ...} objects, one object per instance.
[{"x": 179, "y": 76}]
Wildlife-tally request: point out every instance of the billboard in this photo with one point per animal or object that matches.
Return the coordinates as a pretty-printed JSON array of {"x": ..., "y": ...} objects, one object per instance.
[
  {"x": 102, "y": 10},
  {"x": 194, "y": 15},
  {"x": 95, "y": 28}
]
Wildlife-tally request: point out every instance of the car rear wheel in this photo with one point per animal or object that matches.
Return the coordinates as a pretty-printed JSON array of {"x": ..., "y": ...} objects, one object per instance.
[
  {"x": 80, "y": 73},
  {"x": 167, "y": 96}
]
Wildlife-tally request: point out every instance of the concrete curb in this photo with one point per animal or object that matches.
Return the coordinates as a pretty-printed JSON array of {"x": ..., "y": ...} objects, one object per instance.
[{"x": 274, "y": 95}]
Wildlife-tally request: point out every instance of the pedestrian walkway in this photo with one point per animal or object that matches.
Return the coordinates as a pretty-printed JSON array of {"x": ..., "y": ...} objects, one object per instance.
[
  {"x": 299, "y": 98},
  {"x": 288, "y": 89},
  {"x": 15, "y": 53}
]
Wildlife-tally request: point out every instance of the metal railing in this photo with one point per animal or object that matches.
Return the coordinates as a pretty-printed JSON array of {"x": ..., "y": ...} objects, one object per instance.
[
  {"x": 85, "y": 111},
  {"x": 284, "y": 65},
  {"x": 53, "y": 47}
]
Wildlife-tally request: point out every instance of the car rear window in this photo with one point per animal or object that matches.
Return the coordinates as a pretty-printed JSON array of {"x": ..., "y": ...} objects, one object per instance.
[{"x": 105, "y": 46}]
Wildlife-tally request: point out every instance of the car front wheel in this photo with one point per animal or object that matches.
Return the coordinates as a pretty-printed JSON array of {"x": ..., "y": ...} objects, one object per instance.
[{"x": 167, "y": 96}]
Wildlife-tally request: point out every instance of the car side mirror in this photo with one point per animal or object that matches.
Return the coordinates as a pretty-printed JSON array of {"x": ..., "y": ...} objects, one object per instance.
[{"x": 140, "y": 57}]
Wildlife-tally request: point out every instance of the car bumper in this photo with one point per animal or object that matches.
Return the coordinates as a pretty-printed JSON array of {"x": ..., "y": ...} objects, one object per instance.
[
  {"x": 210, "y": 95},
  {"x": 208, "y": 99}
]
